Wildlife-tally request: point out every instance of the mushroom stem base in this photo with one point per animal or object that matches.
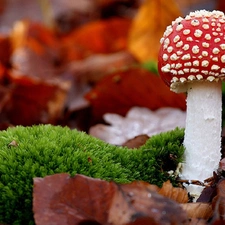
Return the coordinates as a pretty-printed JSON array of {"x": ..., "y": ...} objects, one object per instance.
[{"x": 202, "y": 139}]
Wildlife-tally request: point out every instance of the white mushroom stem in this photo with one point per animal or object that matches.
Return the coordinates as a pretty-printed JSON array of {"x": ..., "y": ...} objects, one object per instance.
[{"x": 202, "y": 139}]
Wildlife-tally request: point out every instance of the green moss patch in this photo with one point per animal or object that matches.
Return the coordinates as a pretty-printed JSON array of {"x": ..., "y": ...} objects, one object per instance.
[{"x": 43, "y": 150}]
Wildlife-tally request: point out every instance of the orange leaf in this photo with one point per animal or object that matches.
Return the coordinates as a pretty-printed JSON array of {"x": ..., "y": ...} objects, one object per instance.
[
  {"x": 34, "y": 36},
  {"x": 96, "y": 37},
  {"x": 179, "y": 195},
  {"x": 148, "y": 27},
  {"x": 120, "y": 91}
]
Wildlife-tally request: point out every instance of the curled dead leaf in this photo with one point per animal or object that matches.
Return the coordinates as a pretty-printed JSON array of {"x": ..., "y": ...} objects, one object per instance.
[
  {"x": 177, "y": 194},
  {"x": 137, "y": 141}
]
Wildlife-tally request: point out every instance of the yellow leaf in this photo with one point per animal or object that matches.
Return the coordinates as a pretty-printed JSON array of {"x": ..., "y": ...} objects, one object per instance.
[{"x": 148, "y": 27}]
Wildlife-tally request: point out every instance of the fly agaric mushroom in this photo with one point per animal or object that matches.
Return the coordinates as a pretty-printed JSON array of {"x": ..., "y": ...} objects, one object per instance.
[{"x": 192, "y": 59}]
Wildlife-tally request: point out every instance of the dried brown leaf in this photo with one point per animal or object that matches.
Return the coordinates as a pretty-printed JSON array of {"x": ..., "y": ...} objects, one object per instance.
[
  {"x": 198, "y": 210},
  {"x": 147, "y": 207},
  {"x": 137, "y": 141},
  {"x": 179, "y": 195},
  {"x": 218, "y": 202},
  {"x": 60, "y": 199},
  {"x": 196, "y": 221}
]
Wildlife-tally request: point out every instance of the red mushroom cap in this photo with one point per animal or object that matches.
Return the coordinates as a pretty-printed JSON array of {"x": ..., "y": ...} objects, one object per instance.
[{"x": 193, "y": 49}]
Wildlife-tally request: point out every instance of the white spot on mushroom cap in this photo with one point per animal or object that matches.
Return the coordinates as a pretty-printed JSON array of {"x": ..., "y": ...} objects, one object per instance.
[
  {"x": 168, "y": 31},
  {"x": 186, "y": 31},
  {"x": 193, "y": 70},
  {"x": 178, "y": 66},
  {"x": 186, "y": 57},
  {"x": 179, "y": 44},
  {"x": 174, "y": 57},
  {"x": 191, "y": 77},
  {"x": 188, "y": 17},
  {"x": 205, "y": 53},
  {"x": 222, "y": 58},
  {"x": 179, "y": 27},
  {"x": 208, "y": 37},
  {"x": 206, "y": 72},
  {"x": 174, "y": 79},
  {"x": 215, "y": 67},
  {"x": 180, "y": 72},
  {"x": 210, "y": 78},
  {"x": 166, "y": 68},
  {"x": 222, "y": 46},
  {"x": 215, "y": 59},
  {"x": 205, "y": 20},
  {"x": 217, "y": 40},
  {"x": 162, "y": 40},
  {"x": 195, "y": 22},
  {"x": 176, "y": 38},
  {"x": 178, "y": 19},
  {"x": 215, "y": 50},
  {"x": 165, "y": 57},
  {"x": 205, "y": 26},
  {"x": 186, "y": 47},
  {"x": 222, "y": 20},
  {"x": 205, "y": 44},
  {"x": 174, "y": 72},
  {"x": 198, "y": 33},
  {"x": 166, "y": 42},
  {"x": 195, "y": 49},
  {"x": 189, "y": 39},
  {"x": 170, "y": 49},
  {"x": 196, "y": 63},
  {"x": 182, "y": 79},
  {"x": 199, "y": 77},
  {"x": 218, "y": 29},
  {"x": 205, "y": 63},
  {"x": 188, "y": 64}
]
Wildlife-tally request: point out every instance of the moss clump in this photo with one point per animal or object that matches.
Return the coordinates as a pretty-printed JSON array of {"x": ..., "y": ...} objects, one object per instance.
[{"x": 45, "y": 150}]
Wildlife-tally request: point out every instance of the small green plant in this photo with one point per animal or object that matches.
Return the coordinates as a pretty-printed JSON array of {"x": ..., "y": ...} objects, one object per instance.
[{"x": 37, "y": 151}]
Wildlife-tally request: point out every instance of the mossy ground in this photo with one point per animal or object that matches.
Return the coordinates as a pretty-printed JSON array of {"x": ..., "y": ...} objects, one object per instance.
[{"x": 44, "y": 150}]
